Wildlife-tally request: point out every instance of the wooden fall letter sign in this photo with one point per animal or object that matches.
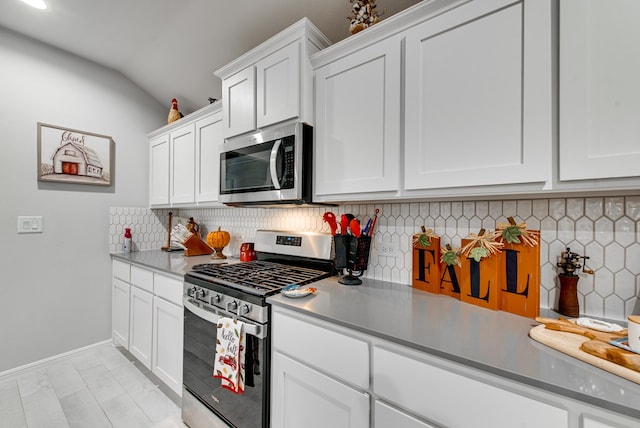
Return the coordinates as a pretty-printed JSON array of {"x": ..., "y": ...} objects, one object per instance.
[
  {"x": 426, "y": 267},
  {"x": 520, "y": 291},
  {"x": 479, "y": 284}
]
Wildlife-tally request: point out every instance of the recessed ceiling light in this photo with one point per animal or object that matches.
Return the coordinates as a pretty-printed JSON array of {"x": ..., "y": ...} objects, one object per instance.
[{"x": 38, "y": 4}]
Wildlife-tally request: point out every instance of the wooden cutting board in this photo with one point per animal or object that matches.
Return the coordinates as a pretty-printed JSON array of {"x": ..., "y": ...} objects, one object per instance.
[{"x": 572, "y": 344}]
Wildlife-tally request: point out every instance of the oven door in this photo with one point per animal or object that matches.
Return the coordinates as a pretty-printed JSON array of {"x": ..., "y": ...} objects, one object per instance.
[{"x": 250, "y": 409}]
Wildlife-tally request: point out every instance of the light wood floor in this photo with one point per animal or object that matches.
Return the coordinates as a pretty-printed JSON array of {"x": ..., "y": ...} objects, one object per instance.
[{"x": 100, "y": 387}]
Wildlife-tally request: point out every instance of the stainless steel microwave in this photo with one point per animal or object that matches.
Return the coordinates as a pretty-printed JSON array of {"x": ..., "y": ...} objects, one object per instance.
[{"x": 270, "y": 167}]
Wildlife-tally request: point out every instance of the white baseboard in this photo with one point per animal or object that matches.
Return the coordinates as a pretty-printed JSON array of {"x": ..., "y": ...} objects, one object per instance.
[{"x": 54, "y": 358}]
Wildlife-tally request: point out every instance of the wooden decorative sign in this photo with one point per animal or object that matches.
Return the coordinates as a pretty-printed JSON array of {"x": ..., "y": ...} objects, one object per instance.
[
  {"x": 426, "y": 261},
  {"x": 481, "y": 262},
  {"x": 450, "y": 280},
  {"x": 520, "y": 275}
]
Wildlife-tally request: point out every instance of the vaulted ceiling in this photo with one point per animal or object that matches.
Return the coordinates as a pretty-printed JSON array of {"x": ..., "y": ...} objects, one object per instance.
[{"x": 170, "y": 48}]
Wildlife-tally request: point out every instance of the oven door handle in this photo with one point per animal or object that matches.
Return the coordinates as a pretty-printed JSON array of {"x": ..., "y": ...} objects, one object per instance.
[{"x": 253, "y": 329}]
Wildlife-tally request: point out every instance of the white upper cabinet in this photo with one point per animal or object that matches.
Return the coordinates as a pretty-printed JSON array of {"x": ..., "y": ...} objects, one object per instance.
[
  {"x": 239, "y": 102},
  {"x": 271, "y": 83},
  {"x": 159, "y": 170},
  {"x": 446, "y": 98},
  {"x": 182, "y": 172},
  {"x": 208, "y": 139},
  {"x": 599, "y": 89},
  {"x": 278, "y": 86},
  {"x": 478, "y": 96},
  {"x": 184, "y": 160},
  {"x": 357, "y": 128}
]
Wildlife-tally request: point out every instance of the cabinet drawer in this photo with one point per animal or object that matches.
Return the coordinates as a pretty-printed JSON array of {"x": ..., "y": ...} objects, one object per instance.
[
  {"x": 452, "y": 399},
  {"x": 168, "y": 288},
  {"x": 333, "y": 353},
  {"x": 142, "y": 278},
  {"x": 387, "y": 416},
  {"x": 121, "y": 270}
]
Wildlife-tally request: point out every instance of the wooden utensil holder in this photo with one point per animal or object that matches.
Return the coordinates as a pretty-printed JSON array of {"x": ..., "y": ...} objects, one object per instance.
[{"x": 196, "y": 246}]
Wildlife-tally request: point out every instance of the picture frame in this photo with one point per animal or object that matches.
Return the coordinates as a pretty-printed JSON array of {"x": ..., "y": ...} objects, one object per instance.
[{"x": 71, "y": 156}]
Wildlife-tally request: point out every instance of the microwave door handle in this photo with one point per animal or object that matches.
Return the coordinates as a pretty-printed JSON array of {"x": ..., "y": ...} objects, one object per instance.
[{"x": 273, "y": 162}]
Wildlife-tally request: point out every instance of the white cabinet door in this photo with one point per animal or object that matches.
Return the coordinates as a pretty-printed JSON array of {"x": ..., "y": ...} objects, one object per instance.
[
  {"x": 159, "y": 171},
  {"x": 302, "y": 397},
  {"x": 357, "y": 98},
  {"x": 168, "y": 321},
  {"x": 140, "y": 325},
  {"x": 478, "y": 96},
  {"x": 208, "y": 138},
  {"x": 599, "y": 90},
  {"x": 120, "y": 313},
  {"x": 278, "y": 86},
  {"x": 239, "y": 103},
  {"x": 183, "y": 164}
]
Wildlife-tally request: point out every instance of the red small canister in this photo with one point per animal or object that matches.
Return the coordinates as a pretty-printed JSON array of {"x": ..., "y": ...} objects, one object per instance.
[{"x": 247, "y": 253}]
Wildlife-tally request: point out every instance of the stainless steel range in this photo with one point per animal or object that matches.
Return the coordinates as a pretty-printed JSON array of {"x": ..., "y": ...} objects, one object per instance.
[{"x": 239, "y": 290}]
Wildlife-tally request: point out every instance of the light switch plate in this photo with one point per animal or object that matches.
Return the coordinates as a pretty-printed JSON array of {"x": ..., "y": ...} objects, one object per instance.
[{"x": 29, "y": 224}]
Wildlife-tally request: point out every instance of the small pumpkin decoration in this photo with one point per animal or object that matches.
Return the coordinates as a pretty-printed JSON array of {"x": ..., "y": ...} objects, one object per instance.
[{"x": 218, "y": 240}]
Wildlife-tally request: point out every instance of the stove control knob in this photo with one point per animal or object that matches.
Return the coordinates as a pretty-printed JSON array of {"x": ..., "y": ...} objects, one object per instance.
[
  {"x": 216, "y": 299},
  {"x": 199, "y": 294},
  {"x": 232, "y": 306},
  {"x": 244, "y": 309},
  {"x": 191, "y": 291}
]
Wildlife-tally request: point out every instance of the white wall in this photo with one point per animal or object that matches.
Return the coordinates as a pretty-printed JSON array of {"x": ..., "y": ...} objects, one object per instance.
[{"x": 55, "y": 291}]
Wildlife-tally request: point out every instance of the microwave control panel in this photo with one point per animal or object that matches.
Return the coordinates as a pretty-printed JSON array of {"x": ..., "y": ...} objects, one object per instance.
[{"x": 288, "y": 146}]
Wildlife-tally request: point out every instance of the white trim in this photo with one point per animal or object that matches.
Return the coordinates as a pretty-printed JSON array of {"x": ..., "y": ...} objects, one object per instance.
[{"x": 54, "y": 358}]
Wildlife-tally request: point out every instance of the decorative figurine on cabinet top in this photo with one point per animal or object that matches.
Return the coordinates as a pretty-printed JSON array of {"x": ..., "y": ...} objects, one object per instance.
[{"x": 364, "y": 14}]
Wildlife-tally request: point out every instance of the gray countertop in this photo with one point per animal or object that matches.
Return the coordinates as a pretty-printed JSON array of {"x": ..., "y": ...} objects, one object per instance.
[
  {"x": 174, "y": 263},
  {"x": 493, "y": 341}
]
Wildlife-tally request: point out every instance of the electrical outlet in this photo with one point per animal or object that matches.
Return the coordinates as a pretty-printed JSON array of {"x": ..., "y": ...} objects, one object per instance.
[{"x": 389, "y": 249}]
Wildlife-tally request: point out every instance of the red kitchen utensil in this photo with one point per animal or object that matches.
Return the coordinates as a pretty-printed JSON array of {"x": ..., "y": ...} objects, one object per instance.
[
  {"x": 344, "y": 224},
  {"x": 330, "y": 218},
  {"x": 354, "y": 225},
  {"x": 373, "y": 225}
]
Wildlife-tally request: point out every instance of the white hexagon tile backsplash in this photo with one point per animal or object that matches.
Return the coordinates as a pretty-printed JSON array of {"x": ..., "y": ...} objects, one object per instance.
[{"x": 603, "y": 228}]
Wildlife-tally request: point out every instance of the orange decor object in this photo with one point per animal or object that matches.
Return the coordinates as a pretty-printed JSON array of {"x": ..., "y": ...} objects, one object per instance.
[
  {"x": 218, "y": 240},
  {"x": 520, "y": 279},
  {"x": 450, "y": 271},
  {"x": 481, "y": 263},
  {"x": 426, "y": 262},
  {"x": 520, "y": 275}
]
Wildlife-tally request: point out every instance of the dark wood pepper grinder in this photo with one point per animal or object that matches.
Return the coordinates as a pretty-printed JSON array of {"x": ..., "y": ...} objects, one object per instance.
[{"x": 569, "y": 263}]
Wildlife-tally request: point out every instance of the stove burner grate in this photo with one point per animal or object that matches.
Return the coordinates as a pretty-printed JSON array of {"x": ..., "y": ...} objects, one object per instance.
[{"x": 260, "y": 275}]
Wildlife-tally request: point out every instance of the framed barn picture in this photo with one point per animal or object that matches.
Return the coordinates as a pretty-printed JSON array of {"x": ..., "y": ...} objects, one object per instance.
[{"x": 72, "y": 156}]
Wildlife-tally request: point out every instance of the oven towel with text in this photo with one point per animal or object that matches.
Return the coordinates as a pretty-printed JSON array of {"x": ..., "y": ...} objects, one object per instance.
[{"x": 230, "y": 352}]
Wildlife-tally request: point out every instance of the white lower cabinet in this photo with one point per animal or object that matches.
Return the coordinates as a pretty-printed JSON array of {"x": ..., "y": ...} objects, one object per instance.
[
  {"x": 320, "y": 376},
  {"x": 140, "y": 325},
  {"x": 168, "y": 321},
  {"x": 387, "y": 416},
  {"x": 120, "y": 313},
  {"x": 148, "y": 320},
  {"x": 451, "y": 397},
  {"x": 303, "y": 397}
]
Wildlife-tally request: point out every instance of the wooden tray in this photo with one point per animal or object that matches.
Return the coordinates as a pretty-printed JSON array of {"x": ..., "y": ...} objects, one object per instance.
[{"x": 571, "y": 343}]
